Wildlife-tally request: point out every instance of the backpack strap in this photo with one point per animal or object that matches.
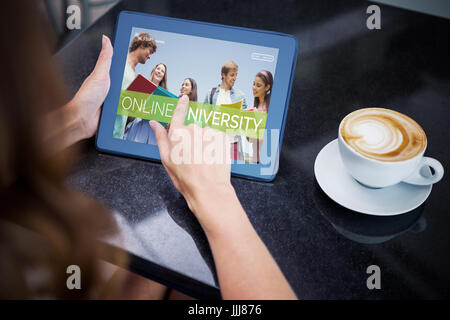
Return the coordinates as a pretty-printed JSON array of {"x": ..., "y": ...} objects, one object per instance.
[{"x": 213, "y": 90}]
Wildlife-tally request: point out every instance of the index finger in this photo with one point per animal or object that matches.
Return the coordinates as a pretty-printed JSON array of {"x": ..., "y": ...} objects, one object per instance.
[{"x": 180, "y": 112}]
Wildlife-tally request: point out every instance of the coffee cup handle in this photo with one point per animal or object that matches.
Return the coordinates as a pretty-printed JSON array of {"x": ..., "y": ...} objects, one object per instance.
[{"x": 422, "y": 177}]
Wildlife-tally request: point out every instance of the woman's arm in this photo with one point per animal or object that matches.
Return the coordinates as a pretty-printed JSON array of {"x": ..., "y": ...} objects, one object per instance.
[
  {"x": 78, "y": 119},
  {"x": 245, "y": 268}
]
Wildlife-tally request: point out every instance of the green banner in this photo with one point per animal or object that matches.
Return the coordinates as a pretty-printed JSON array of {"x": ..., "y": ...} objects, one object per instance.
[{"x": 230, "y": 120}]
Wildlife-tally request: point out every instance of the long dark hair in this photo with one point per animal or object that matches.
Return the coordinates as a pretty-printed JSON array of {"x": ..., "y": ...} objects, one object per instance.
[
  {"x": 163, "y": 83},
  {"x": 267, "y": 78},
  {"x": 193, "y": 95},
  {"x": 45, "y": 226}
]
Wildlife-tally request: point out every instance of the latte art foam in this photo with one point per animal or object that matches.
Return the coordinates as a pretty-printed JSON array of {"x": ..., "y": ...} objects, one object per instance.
[{"x": 383, "y": 134}]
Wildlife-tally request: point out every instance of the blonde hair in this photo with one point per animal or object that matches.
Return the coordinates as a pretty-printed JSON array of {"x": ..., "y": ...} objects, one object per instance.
[{"x": 227, "y": 66}]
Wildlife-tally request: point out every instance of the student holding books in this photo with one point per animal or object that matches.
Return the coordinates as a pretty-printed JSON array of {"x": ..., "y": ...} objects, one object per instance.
[
  {"x": 226, "y": 93},
  {"x": 138, "y": 130},
  {"x": 141, "y": 48}
]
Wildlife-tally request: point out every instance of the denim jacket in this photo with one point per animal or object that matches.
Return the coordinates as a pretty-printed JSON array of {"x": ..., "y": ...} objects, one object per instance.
[{"x": 235, "y": 95}]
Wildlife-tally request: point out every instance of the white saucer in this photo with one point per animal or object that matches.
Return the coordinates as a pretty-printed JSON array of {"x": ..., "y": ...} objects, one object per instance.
[{"x": 340, "y": 186}]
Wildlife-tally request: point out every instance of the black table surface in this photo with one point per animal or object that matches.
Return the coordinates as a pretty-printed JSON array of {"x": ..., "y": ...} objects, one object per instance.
[{"x": 323, "y": 249}]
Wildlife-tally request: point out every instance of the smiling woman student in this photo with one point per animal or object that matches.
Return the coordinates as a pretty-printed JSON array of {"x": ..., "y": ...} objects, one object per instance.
[
  {"x": 262, "y": 90},
  {"x": 189, "y": 88},
  {"x": 138, "y": 130},
  {"x": 159, "y": 75}
]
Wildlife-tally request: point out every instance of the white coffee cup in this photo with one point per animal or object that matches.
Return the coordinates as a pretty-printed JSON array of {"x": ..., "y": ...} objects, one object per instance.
[{"x": 379, "y": 174}]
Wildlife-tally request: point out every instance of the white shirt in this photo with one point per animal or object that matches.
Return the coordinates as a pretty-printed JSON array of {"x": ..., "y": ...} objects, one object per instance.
[
  {"x": 128, "y": 76},
  {"x": 121, "y": 121},
  {"x": 223, "y": 97}
]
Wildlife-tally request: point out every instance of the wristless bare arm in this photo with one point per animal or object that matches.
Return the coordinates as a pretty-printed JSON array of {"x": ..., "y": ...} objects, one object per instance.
[
  {"x": 246, "y": 269},
  {"x": 78, "y": 119}
]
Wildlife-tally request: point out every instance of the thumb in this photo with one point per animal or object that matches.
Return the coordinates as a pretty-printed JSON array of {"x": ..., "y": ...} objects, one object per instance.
[
  {"x": 161, "y": 139},
  {"x": 104, "y": 59}
]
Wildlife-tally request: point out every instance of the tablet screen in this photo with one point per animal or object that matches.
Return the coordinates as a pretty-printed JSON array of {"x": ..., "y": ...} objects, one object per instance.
[{"x": 236, "y": 77}]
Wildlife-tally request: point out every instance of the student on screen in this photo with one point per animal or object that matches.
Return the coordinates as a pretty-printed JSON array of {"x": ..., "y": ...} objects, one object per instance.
[
  {"x": 262, "y": 90},
  {"x": 138, "y": 130},
  {"x": 226, "y": 93},
  {"x": 189, "y": 88},
  {"x": 141, "y": 48},
  {"x": 159, "y": 75}
]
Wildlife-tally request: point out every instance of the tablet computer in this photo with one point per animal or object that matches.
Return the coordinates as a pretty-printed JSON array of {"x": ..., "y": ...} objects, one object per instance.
[{"x": 238, "y": 81}]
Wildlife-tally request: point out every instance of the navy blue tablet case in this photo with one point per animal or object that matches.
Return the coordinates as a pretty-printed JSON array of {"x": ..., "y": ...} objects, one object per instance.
[{"x": 287, "y": 56}]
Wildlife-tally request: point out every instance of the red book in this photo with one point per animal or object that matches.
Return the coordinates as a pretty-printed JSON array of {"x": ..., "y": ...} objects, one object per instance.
[{"x": 142, "y": 84}]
